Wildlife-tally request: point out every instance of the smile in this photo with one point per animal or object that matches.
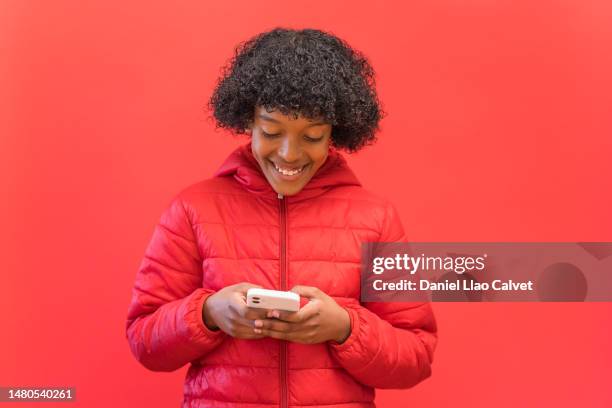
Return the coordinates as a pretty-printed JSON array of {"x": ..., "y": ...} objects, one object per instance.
[{"x": 288, "y": 172}]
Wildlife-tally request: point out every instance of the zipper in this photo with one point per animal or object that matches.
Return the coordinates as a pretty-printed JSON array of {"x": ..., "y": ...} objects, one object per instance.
[{"x": 284, "y": 383}]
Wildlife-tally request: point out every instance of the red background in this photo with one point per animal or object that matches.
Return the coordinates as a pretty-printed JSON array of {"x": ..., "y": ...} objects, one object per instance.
[{"x": 499, "y": 128}]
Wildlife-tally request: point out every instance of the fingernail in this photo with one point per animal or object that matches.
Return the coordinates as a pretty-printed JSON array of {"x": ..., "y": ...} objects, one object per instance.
[
  {"x": 258, "y": 331},
  {"x": 258, "y": 323},
  {"x": 275, "y": 314}
]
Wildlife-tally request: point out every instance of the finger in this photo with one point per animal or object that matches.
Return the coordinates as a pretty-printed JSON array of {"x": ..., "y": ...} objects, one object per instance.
[
  {"x": 285, "y": 316},
  {"x": 311, "y": 309},
  {"x": 244, "y": 328},
  {"x": 240, "y": 321},
  {"x": 279, "y": 335},
  {"x": 239, "y": 306},
  {"x": 275, "y": 325},
  {"x": 248, "y": 334},
  {"x": 237, "y": 300},
  {"x": 303, "y": 336},
  {"x": 279, "y": 314},
  {"x": 243, "y": 287},
  {"x": 239, "y": 328},
  {"x": 273, "y": 314},
  {"x": 255, "y": 313},
  {"x": 306, "y": 291}
]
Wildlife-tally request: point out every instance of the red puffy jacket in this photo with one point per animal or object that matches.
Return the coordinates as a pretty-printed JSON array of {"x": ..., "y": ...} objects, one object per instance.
[{"x": 234, "y": 228}]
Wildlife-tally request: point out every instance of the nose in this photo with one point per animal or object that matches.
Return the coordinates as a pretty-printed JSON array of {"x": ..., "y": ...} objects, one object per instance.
[{"x": 290, "y": 150}]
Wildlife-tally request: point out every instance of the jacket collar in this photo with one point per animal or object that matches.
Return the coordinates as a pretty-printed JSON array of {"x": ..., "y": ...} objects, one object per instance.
[{"x": 242, "y": 166}]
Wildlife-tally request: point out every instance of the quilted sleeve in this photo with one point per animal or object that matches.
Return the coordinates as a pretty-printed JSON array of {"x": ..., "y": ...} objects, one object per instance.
[
  {"x": 391, "y": 345},
  {"x": 164, "y": 325}
]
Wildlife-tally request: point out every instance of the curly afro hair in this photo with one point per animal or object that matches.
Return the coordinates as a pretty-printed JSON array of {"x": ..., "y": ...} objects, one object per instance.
[{"x": 300, "y": 72}]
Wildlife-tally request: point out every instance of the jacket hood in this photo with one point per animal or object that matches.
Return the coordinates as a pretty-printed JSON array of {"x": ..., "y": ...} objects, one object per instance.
[{"x": 244, "y": 168}]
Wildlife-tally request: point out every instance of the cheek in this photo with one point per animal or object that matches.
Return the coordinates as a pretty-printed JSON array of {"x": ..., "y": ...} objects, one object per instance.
[
  {"x": 321, "y": 160},
  {"x": 259, "y": 148},
  {"x": 320, "y": 155},
  {"x": 255, "y": 143}
]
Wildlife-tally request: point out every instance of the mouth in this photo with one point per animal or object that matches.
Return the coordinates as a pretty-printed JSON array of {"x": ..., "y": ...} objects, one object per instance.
[{"x": 288, "y": 173}]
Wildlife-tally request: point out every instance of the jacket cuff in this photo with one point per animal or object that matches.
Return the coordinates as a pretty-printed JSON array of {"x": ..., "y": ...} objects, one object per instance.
[
  {"x": 348, "y": 344},
  {"x": 199, "y": 332}
]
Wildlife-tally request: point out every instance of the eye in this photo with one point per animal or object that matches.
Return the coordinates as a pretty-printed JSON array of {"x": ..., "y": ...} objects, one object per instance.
[
  {"x": 313, "y": 139},
  {"x": 270, "y": 135}
]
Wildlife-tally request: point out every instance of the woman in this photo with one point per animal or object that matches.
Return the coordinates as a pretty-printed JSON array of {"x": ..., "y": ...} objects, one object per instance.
[{"x": 283, "y": 212}]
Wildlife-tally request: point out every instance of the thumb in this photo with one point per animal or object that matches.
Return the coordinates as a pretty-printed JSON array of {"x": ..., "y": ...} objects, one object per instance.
[
  {"x": 306, "y": 291},
  {"x": 244, "y": 287}
]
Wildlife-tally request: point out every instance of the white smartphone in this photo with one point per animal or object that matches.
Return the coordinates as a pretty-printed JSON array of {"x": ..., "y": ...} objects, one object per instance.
[{"x": 273, "y": 299}]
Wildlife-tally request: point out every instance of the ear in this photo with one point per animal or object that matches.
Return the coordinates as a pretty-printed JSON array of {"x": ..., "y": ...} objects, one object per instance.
[{"x": 249, "y": 128}]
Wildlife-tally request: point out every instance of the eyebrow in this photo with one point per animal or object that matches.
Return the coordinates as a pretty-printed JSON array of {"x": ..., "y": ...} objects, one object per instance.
[{"x": 271, "y": 119}]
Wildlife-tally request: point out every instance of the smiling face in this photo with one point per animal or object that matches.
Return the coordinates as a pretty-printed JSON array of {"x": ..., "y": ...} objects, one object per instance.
[{"x": 288, "y": 150}]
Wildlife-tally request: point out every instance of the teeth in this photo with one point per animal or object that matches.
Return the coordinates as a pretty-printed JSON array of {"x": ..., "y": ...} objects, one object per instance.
[{"x": 287, "y": 172}]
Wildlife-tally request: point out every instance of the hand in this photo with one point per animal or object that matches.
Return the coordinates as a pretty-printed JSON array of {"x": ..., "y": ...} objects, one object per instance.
[
  {"x": 227, "y": 310},
  {"x": 320, "y": 320}
]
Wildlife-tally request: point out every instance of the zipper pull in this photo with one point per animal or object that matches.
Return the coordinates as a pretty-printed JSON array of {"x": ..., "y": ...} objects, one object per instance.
[{"x": 280, "y": 196}]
